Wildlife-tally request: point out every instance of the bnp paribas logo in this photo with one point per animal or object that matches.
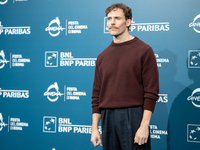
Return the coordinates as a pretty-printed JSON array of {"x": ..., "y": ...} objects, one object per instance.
[
  {"x": 143, "y": 27},
  {"x": 194, "y": 59},
  {"x": 193, "y": 133},
  {"x": 51, "y": 59},
  {"x": 49, "y": 124}
]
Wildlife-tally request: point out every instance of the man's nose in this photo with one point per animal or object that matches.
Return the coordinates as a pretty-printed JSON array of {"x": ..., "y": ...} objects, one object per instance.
[{"x": 113, "y": 21}]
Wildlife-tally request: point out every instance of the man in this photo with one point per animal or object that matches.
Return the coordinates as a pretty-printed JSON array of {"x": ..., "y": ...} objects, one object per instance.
[{"x": 125, "y": 87}]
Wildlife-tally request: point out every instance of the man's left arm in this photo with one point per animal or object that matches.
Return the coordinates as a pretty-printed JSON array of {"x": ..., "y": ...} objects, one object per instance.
[
  {"x": 151, "y": 89},
  {"x": 141, "y": 136}
]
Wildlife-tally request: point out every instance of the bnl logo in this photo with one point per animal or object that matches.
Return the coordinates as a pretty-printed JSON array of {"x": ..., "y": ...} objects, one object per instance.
[
  {"x": 51, "y": 59},
  {"x": 193, "y": 133},
  {"x": 49, "y": 124},
  {"x": 194, "y": 59}
]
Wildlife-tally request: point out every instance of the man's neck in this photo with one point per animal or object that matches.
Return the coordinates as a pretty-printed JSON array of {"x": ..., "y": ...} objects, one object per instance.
[{"x": 122, "y": 38}]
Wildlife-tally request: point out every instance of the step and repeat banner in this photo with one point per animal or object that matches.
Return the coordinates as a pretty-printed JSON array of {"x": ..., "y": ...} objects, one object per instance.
[{"x": 48, "y": 51}]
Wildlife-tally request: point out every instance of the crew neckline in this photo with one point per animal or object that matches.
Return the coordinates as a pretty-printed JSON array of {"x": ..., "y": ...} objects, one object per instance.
[{"x": 124, "y": 43}]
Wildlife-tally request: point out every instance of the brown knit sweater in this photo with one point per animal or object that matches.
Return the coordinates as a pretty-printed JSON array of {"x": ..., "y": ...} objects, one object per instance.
[{"x": 126, "y": 75}]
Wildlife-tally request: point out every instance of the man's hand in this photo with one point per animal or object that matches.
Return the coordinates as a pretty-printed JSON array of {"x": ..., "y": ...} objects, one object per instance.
[
  {"x": 141, "y": 135},
  {"x": 96, "y": 138}
]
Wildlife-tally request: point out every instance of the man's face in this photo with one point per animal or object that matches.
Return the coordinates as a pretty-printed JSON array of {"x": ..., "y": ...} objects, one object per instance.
[{"x": 116, "y": 22}]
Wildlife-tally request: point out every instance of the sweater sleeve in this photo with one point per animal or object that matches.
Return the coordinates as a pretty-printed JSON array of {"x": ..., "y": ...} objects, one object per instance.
[
  {"x": 96, "y": 90},
  {"x": 150, "y": 79}
]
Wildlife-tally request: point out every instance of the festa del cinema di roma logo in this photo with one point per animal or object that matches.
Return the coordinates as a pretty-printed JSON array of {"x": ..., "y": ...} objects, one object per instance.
[
  {"x": 195, "y": 98},
  {"x": 196, "y": 24},
  {"x": 72, "y": 27},
  {"x": 3, "y": 60},
  {"x": 54, "y": 30},
  {"x": 13, "y": 124},
  {"x": 16, "y": 60},
  {"x": 2, "y": 124},
  {"x": 70, "y": 93},
  {"x": 53, "y": 95},
  {"x": 3, "y": 2}
]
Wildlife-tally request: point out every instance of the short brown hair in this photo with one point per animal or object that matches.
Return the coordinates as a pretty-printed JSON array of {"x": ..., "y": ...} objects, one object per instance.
[{"x": 127, "y": 11}]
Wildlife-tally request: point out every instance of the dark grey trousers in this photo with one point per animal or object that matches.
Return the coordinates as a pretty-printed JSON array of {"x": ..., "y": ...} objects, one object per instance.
[{"x": 119, "y": 127}]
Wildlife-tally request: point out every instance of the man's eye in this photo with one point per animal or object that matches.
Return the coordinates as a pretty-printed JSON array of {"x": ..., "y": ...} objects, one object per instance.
[{"x": 108, "y": 18}]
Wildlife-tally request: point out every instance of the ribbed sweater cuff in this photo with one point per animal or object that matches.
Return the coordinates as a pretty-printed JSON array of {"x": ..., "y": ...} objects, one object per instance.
[
  {"x": 149, "y": 104},
  {"x": 96, "y": 110}
]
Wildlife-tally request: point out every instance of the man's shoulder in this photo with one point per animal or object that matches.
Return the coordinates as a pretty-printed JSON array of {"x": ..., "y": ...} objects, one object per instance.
[
  {"x": 142, "y": 44},
  {"x": 105, "y": 51}
]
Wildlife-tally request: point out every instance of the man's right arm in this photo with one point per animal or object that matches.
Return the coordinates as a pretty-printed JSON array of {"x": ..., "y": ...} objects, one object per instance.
[
  {"x": 96, "y": 114},
  {"x": 95, "y": 136}
]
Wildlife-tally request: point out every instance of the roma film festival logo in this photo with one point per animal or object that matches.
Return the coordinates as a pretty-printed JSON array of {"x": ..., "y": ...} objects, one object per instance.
[
  {"x": 194, "y": 59},
  {"x": 196, "y": 24},
  {"x": 13, "y": 123},
  {"x": 54, "y": 27},
  {"x": 16, "y": 60},
  {"x": 49, "y": 124},
  {"x": 16, "y": 124},
  {"x": 52, "y": 92},
  {"x": 2, "y": 2},
  {"x": 161, "y": 60},
  {"x": 193, "y": 133},
  {"x": 2, "y": 124},
  {"x": 195, "y": 98},
  {"x": 71, "y": 27},
  {"x": 15, "y": 30},
  {"x": 156, "y": 133},
  {"x": 3, "y": 60},
  {"x": 70, "y": 93},
  {"x": 146, "y": 27}
]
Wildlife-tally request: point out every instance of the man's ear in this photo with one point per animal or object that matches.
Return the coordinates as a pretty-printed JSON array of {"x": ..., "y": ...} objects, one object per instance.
[{"x": 128, "y": 22}]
